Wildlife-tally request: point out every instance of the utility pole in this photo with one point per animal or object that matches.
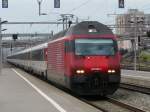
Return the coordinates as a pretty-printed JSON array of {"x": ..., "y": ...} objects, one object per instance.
[
  {"x": 135, "y": 45},
  {"x": 135, "y": 42},
  {"x": 1, "y": 22},
  {"x": 0, "y": 47},
  {"x": 136, "y": 22}
]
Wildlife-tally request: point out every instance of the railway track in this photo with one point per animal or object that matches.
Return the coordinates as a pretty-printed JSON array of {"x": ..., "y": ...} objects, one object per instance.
[
  {"x": 136, "y": 88},
  {"x": 93, "y": 105},
  {"x": 114, "y": 102},
  {"x": 124, "y": 105},
  {"x": 130, "y": 66}
]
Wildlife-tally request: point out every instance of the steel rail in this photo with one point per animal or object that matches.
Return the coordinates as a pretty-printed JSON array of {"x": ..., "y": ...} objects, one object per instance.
[
  {"x": 124, "y": 105},
  {"x": 89, "y": 103},
  {"x": 114, "y": 102},
  {"x": 136, "y": 88},
  {"x": 103, "y": 110}
]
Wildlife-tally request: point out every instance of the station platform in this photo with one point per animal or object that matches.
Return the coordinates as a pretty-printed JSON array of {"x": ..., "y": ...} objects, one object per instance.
[
  {"x": 21, "y": 92},
  {"x": 140, "y": 78}
]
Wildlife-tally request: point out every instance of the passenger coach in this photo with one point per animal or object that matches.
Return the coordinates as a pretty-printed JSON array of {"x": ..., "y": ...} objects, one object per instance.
[{"x": 33, "y": 59}]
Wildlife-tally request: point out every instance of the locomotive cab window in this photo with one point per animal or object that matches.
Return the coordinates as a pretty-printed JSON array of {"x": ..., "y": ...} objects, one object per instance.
[{"x": 95, "y": 47}]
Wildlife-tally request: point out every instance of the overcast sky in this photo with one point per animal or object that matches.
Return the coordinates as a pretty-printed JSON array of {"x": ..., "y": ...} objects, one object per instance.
[{"x": 27, "y": 10}]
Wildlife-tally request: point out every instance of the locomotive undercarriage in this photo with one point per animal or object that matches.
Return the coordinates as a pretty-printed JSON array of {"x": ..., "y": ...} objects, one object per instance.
[{"x": 95, "y": 84}]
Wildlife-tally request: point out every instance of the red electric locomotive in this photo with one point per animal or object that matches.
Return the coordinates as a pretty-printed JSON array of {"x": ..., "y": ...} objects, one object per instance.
[{"x": 85, "y": 59}]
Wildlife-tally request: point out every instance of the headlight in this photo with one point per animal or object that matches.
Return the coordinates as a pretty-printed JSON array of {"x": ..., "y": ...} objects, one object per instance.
[
  {"x": 80, "y": 71},
  {"x": 111, "y": 71}
]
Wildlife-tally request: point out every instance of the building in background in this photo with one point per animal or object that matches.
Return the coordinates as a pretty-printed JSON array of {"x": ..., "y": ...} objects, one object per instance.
[{"x": 131, "y": 24}]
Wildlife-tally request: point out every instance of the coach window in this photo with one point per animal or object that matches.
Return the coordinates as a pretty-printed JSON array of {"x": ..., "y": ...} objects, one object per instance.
[{"x": 37, "y": 55}]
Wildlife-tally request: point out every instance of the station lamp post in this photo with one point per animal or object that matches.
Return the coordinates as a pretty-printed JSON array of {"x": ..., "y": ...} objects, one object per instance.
[
  {"x": 39, "y": 3},
  {"x": 136, "y": 21},
  {"x": 1, "y": 22}
]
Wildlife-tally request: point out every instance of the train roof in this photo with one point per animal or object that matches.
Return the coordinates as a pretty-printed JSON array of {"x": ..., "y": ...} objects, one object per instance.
[
  {"x": 40, "y": 46},
  {"x": 89, "y": 27},
  {"x": 85, "y": 27}
]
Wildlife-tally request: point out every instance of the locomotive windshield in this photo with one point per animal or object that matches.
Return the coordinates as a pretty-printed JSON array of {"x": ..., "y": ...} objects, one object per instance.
[{"x": 94, "y": 47}]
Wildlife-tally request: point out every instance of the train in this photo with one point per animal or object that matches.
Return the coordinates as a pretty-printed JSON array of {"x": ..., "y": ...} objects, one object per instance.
[
  {"x": 31, "y": 59},
  {"x": 84, "y": 59}
]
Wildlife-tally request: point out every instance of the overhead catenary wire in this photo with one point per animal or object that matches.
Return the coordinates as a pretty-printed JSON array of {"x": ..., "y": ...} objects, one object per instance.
[
  {"x": 146, "y": 5},
  {"x": 81, "y": 5}
]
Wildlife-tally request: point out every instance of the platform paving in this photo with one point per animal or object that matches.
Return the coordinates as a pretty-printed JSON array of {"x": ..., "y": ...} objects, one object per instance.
[{"x": 17, "y": 95}]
